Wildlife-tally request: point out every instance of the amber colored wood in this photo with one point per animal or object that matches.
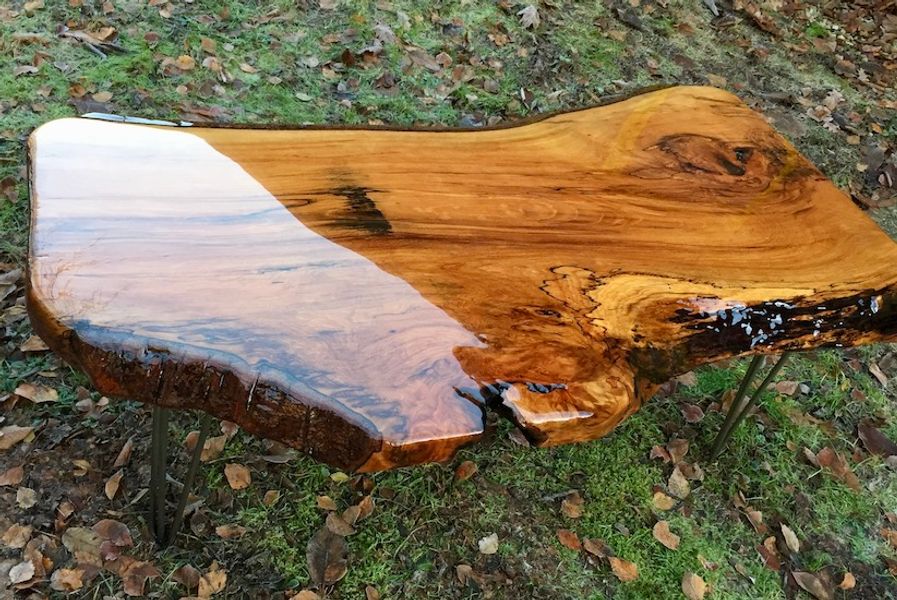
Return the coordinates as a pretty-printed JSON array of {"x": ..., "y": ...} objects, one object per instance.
[{"x": 362, "y": 294}]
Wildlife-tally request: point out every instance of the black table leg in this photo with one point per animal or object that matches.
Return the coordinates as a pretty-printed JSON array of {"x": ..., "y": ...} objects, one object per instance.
[
  {"x": 204, "y": 426},
  {"x": 158, "y": 470},
  {"x": 164, "y": 532},
  {"x": 739, "y": 411}
]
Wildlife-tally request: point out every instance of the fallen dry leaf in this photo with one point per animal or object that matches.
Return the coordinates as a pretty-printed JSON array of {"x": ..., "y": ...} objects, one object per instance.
[
  {"x": 305, "y": 595},
  {"x": 26, "y": 497},
  {"x": 623, "y": 569},
  {"x": 124, "y": 455},
  {"x": 365, "y": 507},
  {"x": 529, "y": 17},
  {"x": 890, "y": 536},
  {"x": 185, "y": 62},
  {"x": 208, "y": 45},
  {"x": 338, "y": 525},
  {"x": 12, "y": 476},
  {"x": 572, "y": 505},
  {"x": 743, "y": 571},
  {"x": 371, "y": 593},
  {"x": 271, "y": 497},
  {"x": 488, "y": 544},
  {"x": 327, "y": 556},
  {"x": 339, "y": 477},
  {"x": 596, "y": 547},
  {"x": 755, "y": 517},
  {"x": 803, "y": 419},
  {"x": 9, "y": 190},
  {"x": 99, "y": 41},
  {"x": 82, "y": 467},
  {"x": 689, "y": 379},
  {"x": 422, "y": 58},
  {"x": 105, "y": 33},
  {"x": 835, "y": 463},
  {"x": 67, "y": 580},
  {"x": 37, "y": 393},
  {"x": 787, "y": 388},
  {"x": 716, "y": 80},
  {"x": 238, "y": 476},
  {"x": 212, "y": 582},
  {"x": 135, "y": 574},
  {"x": 769, "y": 555},
  {"x": 790, "y": 539},
  {"x": 813, "y": 585},
  {"x": 677, "y": 448},
  {"x": 213, "y": 64},
  {"x": 466, "y": 470},
  {"x": 569, "y": 539},
  {"x": 692, "y": 472},
  {"x": 663, "y": 502},
  {"x": 678, "y": 485},
  {"x": 464, "y": 573},
  {"x": 33, "y": 344},
  {"x": 17, "y": 536},
  {"x": 878, "y": 374},
  {"x": 25, "y": 70},
  {"x": 693, "y": 586},
  {"x": 211, "y": 449},
  {"x": 326, "y": 502},
  {"x": 65, "y": 509},
  {"x": 22, "y": 572},
  {"x": 350, "y": 515},
  {"x": 114, "y": 531},
  {"x": 187, "y": 576},
  {"x": 13, "y": 276},
  {"x": 83, "y": 543},
  {"x": 661, "y": 453},
  {"x": 113, "y": 483},
  {"x": 810, "y": 456},
  {"x": 692, "y": 413},
  {"x": 848, "y": 582},
  {"x": 875, "y": 441},
  {"x": 666, "y": 537},
  {"x": 231, "y": 530}
]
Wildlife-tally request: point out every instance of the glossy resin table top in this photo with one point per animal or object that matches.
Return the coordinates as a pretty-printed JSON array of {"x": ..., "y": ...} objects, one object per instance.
[{"x": 361, "y": 294}]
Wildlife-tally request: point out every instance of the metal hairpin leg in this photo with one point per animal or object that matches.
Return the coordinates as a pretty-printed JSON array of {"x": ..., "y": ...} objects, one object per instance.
[
  {"x": 739, "y": 411},
  {"x": 158, "y": 468},
  {"x": 205, "y": 425},
  {"x": 158, "y": 472}
]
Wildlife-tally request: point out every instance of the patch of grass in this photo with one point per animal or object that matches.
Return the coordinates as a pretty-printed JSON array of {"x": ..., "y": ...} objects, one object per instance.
[{"x": 816, "y": 30}]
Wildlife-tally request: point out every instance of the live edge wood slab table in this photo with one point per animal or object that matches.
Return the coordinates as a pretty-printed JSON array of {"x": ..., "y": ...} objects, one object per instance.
[{"x": 363, "y": 294}]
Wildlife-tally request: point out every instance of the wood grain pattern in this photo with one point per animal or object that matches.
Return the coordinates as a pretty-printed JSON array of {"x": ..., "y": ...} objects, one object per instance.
[{"x": 362, "y": 294}]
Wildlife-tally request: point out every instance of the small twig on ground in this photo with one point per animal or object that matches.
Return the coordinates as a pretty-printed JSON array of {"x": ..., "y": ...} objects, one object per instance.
[
  {"x": 558, "y": 496},
  {"x": 94, "y": 44}
]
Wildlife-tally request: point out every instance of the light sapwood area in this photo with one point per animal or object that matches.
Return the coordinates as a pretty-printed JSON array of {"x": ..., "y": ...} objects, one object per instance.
[{"x": 362, "y": 294}]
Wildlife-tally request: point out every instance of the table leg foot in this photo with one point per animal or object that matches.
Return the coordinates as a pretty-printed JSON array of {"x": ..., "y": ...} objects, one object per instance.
[{"x": 740, "y": 410}]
